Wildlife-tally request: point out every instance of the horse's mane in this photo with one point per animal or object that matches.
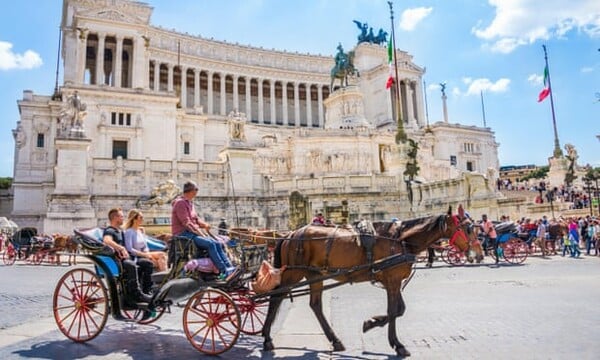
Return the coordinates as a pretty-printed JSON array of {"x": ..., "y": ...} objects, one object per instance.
[{"x": 410, "y": 227}]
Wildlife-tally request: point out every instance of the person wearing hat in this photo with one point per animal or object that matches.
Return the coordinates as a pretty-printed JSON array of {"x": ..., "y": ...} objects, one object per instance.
[
  {"x": 319, "y": 219},
  {"x": 185, "y": 222}
]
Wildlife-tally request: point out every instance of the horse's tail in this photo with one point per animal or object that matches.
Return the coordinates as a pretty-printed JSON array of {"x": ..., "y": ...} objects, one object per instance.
[{"x": 277, "y": 254}]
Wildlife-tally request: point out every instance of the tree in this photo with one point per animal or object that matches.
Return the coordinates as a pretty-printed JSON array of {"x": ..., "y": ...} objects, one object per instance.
[
  {"x": 5, "y": 183},
  {"x": 538, "y": 173}
]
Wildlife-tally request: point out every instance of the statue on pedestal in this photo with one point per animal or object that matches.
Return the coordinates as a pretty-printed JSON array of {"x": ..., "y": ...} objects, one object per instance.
[
  {"x": 72, "y": 114},
  {"x": 237, "y": 121},
  {"x": 572, "y": 161}
]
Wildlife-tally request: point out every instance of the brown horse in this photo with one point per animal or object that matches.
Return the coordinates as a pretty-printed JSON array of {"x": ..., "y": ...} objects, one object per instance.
[
  {"x": 65, "y": 243},
  {"x": 313, "y": 252}
]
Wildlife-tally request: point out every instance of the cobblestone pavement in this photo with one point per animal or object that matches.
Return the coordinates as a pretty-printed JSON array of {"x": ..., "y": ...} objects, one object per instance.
[{"x": 544, "y": 309}]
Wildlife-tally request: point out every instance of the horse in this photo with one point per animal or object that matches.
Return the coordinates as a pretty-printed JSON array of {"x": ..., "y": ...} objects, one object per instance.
[
  {"x": 342, "y": 72},
  {"x": 65, "y": 243},
  {"x": 315, "y": 251}
]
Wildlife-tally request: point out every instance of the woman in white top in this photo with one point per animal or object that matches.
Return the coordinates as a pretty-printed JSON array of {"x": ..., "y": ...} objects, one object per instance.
[{"x": 135, "y": 242}]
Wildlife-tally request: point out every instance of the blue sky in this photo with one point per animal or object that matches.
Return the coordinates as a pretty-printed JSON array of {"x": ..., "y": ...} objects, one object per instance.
[{"x": 494, "y": 46}]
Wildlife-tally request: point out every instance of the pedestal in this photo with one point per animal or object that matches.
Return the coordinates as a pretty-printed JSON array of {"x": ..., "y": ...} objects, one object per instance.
[
  {"x": 344, "y": 109},
  {"x": 241, "y": 166},
  {"x": 558, "y": 170},
  {"x": 69, "y": 206}
]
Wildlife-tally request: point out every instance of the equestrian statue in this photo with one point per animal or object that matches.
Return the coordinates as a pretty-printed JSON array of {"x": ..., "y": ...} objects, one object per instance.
[{"x": 344, "y": 67}]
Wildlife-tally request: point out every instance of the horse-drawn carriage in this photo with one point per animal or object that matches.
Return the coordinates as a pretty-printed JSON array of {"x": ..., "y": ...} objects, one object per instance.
[
  {"x": 215, "y": 311},
  {"x": 510, "y": 246},
  {"x": 25, "y": 244}
]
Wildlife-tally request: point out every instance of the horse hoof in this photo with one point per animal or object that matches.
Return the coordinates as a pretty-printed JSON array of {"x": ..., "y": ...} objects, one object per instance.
[
  {"x": 402, "y": 352},
  {"x": 338, "y": 346},
  {"x": 268, "y": 346}
]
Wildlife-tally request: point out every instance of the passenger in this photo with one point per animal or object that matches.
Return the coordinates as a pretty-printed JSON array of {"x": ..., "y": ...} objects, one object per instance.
[
  {"x": 113, "y": 237},
  {"x": 136, "y": 245},
  {"x": 318, "y": 219},
  {"x": 185, "y": 222}
]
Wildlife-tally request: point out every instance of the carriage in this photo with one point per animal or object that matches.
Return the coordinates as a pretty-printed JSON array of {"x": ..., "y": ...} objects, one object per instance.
[
  {"x": 25, "y": 244},
  {"x": 510, "y": 246},
  {"x": 215, "y": 312}
]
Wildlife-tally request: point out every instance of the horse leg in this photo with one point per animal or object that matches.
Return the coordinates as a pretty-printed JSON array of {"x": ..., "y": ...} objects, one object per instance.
[
  {"x": 316, "y": 304},
  {"x": 274, "y": 303},
  {"x": 382, "y": 320},
  {"x": 396, "y": 307}
]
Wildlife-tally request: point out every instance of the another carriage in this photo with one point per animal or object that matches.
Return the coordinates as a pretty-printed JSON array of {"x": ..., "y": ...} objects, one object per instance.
[
  {"x": 25, "y": 244},
  {"x": 510, "y": 247}
]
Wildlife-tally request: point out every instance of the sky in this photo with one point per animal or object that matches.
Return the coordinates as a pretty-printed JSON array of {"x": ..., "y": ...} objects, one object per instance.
[{"x": 477, "y": 47}]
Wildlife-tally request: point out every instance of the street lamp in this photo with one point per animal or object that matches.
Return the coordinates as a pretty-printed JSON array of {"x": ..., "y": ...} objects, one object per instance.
[
  {"x": 588, "y": 183},
  {"x": 550, "y": 197}
]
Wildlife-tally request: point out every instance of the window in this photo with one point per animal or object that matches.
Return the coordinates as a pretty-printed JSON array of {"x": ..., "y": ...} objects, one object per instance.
[
  {"x": 453, "y": 160},
  {"x": 120, "y": 119},
  {"x": 119, "y": 149},
  {"x": 469, "y": 166},
  {"x": 40, "y": 140},
  {"x": 186, "y": 148},
  {"x": 469, "y": 147}
]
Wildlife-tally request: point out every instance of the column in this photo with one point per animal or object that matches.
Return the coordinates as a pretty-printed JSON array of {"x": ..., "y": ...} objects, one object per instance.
[
  {"x": 296, "y": 104},
  {"x": 170, "y": 77},
  {"x": 119, "y": 62},
  {"x": 210, "y": 92},
  {"x": 419, "y": 94},
  {"x": 81, "y": 57},
  {"x": 183, "y": 95},
  {"x": 410, "y": 118},
  {"x": 156, "y": 75},
  {"x": 236, "y": 96},
  {"x": 100, "y": 78},
  {"x": 272, "y": 95},
  {"x": 284, "y": 103},
  {"x": 308, "y": 107},
  {"x": 223, "y": 94},
  {"x": 248, "y": 98},
  {"x": 261, "y": 104},
  {"x": 320, "y": 105},
  {"x": 196, "y": 88}
]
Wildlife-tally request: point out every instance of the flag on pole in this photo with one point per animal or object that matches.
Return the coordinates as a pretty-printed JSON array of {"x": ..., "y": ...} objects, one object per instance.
[
  {"x": 390, "y": 79},
  {"x": 546, "y": 90}
]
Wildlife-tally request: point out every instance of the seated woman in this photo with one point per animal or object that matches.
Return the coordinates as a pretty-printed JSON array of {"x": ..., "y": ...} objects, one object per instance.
[{"x": 135, "y": 242}]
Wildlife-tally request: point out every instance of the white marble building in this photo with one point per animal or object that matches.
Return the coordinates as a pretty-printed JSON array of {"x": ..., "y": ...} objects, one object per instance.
[{"x": 251, "y": 126}]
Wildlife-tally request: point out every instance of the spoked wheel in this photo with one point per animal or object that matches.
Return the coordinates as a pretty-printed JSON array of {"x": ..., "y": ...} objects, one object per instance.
[
  {"x": 80, "y": 305},
  {"x": 253, "y": 314},
  {"x": 10, "y": 255},
  {"x": 455, "y": 256},
  {"x": 211, "y": 321},
  {"x": 515, "y": 251},
  {"x": 138, "y": 314},
  {"x": 444, "y": 254}
]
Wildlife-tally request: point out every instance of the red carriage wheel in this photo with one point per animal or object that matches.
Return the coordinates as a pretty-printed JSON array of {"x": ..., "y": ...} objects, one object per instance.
[
  {"x": 138, "y": 314},
  {"x": 455, "y": 256},
  {"x": 444, "y": 254},
  {"x": 10, "y": 255},
  {"x": 515, "y": 251},
  {"x": 252, "y": 314},
  {"x": 80, "y": 305},
  {"x": 38, "y": 257},
  {"x": 211, "y": 321}
]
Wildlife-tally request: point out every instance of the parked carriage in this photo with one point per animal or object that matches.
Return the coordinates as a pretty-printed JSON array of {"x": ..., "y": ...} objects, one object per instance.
[
  {"x": 215, "y": 311},
  {"x": 510, "y": 246},
  {"x": 25, "y": 244}
]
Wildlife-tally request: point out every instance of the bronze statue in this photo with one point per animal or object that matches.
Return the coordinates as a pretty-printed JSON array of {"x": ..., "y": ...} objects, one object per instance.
[{"x": 344, "y": 67}]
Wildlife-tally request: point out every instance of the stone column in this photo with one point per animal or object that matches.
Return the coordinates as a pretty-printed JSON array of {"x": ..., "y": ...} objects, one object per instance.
[
  {"x": 100, "y": 78},
  {"x": 308, "y": 107},
  {"x": 223, "y": 92},
  {"x": 284, "y": 103},
  {"x": 170, "y": 77},
  {"x": 409, "y": 102},
  {"x": 296, "y": 104},
  {"x": 261, "y": 103},
  {"x": 273, "y": 102},
  {"x": 81, "y": 56},
  {"x": 236, "y": 96},
  {"x": 156, "y": 75},
  {"x": 118, "y": 74},
  {"x": 248, "y": 98},
  {"x": 183, "y": 95},
  {"x": 209, "y": 90},
  {"x": 196, "y": 88},
  {"x": 320, "y": 105},
  {"x": 420, "y": 107}
]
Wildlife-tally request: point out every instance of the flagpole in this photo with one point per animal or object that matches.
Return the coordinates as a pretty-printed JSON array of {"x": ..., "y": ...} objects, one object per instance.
[
  {"x": 557, "y": 151},
  {"x": 482, "y": 108},
  {"x": 400, "y": 135}
]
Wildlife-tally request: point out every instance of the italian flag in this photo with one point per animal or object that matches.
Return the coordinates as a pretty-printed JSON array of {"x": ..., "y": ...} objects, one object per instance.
[
  {"x": 390, "y": 79},
  {"x": 546, "y": 90}
]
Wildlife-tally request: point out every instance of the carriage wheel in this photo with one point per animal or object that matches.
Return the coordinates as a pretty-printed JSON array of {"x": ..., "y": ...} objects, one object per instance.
[
  {"x": 455, "y": 256},
  {"x": 444, "y": 254},
  {"x": 137, "y": 315},
  {"x": 211, "y": 321},
  {"x": 80, "y": 305},
  {"x": 515, "y": 251},
  {"x": 38, "y": 257},
  {"x": 252, "y": 314},
  {"x": 10, "y": 255}
]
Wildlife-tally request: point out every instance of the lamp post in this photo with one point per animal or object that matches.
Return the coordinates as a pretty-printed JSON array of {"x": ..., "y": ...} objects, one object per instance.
[
  {"x": 588, "y": 183},
  {"x": 550, "y": 196}
]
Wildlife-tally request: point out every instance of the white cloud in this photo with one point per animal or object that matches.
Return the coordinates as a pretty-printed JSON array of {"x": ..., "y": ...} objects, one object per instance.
[
  {"x": 410, "y": 18},
  {"x": 587, "y": 69},
  {"x": 535, "y": 79},
  {"x": 521, "y": 22},
  {"x": 10, "y": 60},
  {"x": 476, "y": 86}
]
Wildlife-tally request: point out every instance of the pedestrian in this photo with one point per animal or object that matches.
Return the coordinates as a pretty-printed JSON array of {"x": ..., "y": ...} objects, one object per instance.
[
  {"x": 540, "y": 236},
  {"x": 490, "y": 236},
  {"x": 591, "y": 237},
  {"x": 574, "y": 238}
]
